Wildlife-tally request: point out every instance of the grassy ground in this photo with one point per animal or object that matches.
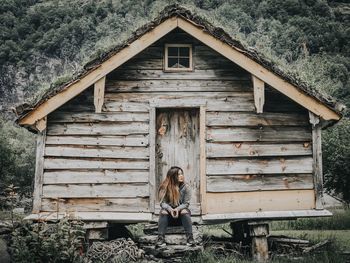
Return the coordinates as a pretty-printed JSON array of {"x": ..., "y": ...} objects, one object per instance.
[
  {"x": 340, "y": 237},
  {"x": 336, "y": 229}
]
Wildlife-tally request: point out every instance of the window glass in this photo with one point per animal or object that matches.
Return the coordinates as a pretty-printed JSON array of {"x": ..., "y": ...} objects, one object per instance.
[
  {"x": 173, "y": 51},
  {"x": 184, "y": 62},
  {"x": 184, "y": 51},
  {"x": 172, "y": 62},
  {"x": 178, "y": 57}
]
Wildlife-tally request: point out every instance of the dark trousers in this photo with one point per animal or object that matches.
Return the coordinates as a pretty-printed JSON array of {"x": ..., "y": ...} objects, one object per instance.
[{"x": 166, "y": 220}]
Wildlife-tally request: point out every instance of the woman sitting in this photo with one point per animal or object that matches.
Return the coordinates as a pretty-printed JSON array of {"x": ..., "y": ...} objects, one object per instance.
[{"x": 174, "y": 197}]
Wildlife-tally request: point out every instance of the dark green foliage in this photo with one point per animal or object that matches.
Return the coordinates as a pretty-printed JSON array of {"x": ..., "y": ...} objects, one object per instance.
[
  {"x": 17, "y": 157},
  {"x": 43, "y": 242},
  {"x": 339, "y": 221},
  {"x": 336, "y": 156}
]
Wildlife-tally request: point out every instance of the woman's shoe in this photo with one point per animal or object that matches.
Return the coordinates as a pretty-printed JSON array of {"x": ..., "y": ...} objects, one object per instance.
[
  {"x": 160, "y": 241},
  {"x": 190, "y": 240}
]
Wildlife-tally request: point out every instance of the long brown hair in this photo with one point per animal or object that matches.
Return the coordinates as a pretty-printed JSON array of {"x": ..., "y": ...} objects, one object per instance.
[{"x": 169, "y": 188}]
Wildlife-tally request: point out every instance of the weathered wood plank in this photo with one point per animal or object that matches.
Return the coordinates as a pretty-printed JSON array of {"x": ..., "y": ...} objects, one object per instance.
[
  {"x": 94, "y": 216},
  {"x": 223, "y": 74},
  {"x": 250, "y": 149},
  {"x": 254, "y": 119},
  {"x": 203, "y": 159},
  {"x": 259, "y": 166},
  {"x": 95, "y": 190},
  {"x": 152, "y": 158},
  {"x": 104, "y": 176},
  {"x": 259, "y": 94},
  {"x": 265, "y": 215},
  {"x": 115, "y": 106},
  {"x": 98, "y": 128},
  {"x": 39, "y": 170},
  {"x": 277, "y": 102},
  {"x": 231, "y": 104},
  {"x": 284, "y": 200},
  {"x": 244, "y": 183},
  {"x": 178, "y": 86},
  {"x": 146, "y": 96},
  {"x": 99, "y": 92},
  {"x": 200, "y": 63},
  {"x": 59, "y": 116},
  {"x": 63, "y": 163},
  {"x": 101, "y": 151},
  {"x": 130, "y": 140},
  {"x": 216, "y": 101},
  {"x": 263, "y": 134},
  {"x": 96, "y": 204}
]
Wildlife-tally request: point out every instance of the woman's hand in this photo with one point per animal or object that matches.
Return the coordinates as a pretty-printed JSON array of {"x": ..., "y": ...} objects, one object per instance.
[{"x": 174, "y": 213}]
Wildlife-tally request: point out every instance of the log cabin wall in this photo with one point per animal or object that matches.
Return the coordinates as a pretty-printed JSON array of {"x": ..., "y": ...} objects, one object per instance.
[
  {"x": 96, "y": 161},
  {"x": 254, "y": 162}
]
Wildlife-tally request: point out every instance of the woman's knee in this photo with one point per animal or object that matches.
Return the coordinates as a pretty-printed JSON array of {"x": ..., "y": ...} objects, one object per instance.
[
  {"x": 163, "y": 212},
  {"x": 184, "y": 211}
]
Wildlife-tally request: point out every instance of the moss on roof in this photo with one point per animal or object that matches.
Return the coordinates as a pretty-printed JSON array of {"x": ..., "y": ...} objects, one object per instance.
[{"x": 217, "y": 32}]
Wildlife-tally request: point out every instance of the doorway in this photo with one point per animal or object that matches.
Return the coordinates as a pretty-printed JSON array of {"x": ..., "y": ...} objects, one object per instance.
[{"x": 178, "y": 144}]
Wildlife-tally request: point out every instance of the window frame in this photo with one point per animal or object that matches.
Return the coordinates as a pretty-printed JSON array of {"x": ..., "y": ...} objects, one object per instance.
[{"x": 165, "y": 62}]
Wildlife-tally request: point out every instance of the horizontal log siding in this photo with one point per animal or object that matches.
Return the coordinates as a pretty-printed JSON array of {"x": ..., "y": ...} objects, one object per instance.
[
  {"x": 96, "y": 161},
  {"x": 99, "y": 162},
  {"x": 245, "y": 151}
]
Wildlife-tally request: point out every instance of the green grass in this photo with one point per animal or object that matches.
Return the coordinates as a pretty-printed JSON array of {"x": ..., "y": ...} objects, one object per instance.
[
  {"x": 335, "y": 228},
  {"x": 339, "y": 221},
  {"x": 341, "y": 238}
]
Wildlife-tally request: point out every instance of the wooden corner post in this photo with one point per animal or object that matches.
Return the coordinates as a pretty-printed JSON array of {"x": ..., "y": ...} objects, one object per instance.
[
  {"x": 152, "y": 158},
  {"x": 203, "y": 181},
  {"x": 39, "y": 171},
  {"x": 317, "y": 159}
]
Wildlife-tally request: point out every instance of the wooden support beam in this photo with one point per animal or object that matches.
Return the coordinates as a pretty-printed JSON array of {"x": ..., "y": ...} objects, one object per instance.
[
  {"x": 202, "y": 144},
  {"x": 258, "y": 232},
  {"x": 99, "y": 93},
  {"x": 317, "y": 159},
  {"x": 264, "y": 74},
  {"x": 152, "y": 158},
  {"x": 259, "y": 94},
  {"x": 39, "y": 171}
]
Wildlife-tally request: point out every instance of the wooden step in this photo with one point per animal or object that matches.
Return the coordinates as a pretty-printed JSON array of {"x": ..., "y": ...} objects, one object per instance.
[{"x": 171, "y": 250}]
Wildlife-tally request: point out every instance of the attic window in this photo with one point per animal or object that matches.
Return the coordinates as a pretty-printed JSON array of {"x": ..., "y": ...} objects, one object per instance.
[{"x": 178, "y": 57}]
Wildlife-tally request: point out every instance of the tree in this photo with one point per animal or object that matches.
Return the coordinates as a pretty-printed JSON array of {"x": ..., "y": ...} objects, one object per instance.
[{"x": 336, "y": 159}]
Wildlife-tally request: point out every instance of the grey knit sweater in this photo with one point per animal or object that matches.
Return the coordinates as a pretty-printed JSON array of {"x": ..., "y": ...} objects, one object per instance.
[{"x": 185, "y": 197}]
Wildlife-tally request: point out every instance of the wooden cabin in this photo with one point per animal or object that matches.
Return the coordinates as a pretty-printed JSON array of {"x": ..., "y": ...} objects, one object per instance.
[{"x": 179, "y": 92}]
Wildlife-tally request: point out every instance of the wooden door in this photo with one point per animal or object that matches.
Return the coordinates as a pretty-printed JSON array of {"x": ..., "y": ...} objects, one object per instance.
[{"x": 177, "y": 144}]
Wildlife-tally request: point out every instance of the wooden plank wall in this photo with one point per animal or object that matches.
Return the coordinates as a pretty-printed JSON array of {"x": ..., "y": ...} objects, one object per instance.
[
  {"x": 100, "y": 162},
  {"x": 96, "y": 161}
]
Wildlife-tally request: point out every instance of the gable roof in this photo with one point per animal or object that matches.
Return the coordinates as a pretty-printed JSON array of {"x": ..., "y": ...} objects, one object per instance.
[{"x": 170, "y": 18}]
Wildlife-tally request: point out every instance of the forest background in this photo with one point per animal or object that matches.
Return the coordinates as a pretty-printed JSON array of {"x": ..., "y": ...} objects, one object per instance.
[{"x": 42, "y": 43}]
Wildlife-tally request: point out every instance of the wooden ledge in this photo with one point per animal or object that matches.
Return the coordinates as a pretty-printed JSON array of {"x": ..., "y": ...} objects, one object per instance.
[
  {"x": 92, "y": 216},
  {"x": 265, "y": 215}
]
